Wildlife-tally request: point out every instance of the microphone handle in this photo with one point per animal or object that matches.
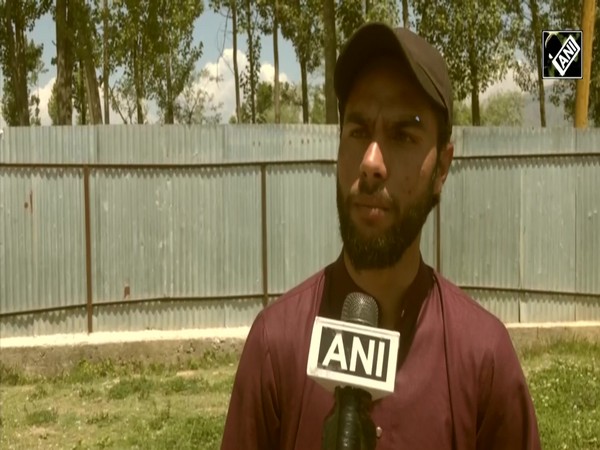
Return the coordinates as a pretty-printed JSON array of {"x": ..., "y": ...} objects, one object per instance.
[{"x": 350, "y": 427}]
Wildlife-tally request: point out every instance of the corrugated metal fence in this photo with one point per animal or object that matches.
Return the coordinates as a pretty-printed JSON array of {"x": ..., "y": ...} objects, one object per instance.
[{"x": 168, "y": 227}]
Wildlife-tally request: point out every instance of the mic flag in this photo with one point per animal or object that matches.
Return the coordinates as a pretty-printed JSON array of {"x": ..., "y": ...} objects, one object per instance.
[{"x": 350, "y": 354}]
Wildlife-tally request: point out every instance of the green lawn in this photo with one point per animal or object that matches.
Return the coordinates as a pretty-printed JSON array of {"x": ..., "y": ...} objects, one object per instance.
[{"x": 123, "y": 406}]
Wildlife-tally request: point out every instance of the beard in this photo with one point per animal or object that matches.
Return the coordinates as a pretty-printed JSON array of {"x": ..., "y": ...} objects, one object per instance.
[{"x": 387, "y": 248}]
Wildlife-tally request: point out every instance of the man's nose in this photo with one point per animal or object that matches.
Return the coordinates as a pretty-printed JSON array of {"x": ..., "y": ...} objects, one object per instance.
[{"x": 372, "y": 167}]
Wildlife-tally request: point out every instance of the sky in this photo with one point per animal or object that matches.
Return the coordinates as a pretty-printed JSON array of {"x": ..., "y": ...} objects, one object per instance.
[{"x": 217, "y": 57}]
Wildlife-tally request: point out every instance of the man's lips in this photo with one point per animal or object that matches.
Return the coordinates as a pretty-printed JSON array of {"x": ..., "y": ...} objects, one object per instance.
[{"x": 371, "y": 204}]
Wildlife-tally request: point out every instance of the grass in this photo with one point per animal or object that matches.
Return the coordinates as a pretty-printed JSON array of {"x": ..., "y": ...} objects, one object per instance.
[{"x": 112, "y": 405}]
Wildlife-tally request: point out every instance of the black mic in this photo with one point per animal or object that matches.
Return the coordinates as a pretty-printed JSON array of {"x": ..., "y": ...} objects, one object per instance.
[{"x": 357, "y": 361}]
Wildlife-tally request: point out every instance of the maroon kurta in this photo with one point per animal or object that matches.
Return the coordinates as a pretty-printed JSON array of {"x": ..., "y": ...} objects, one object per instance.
[{"x": 459, "y": 384}]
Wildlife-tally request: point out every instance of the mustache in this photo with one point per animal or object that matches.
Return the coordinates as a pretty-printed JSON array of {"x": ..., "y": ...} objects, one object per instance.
[{"x": 372, "y": 194}]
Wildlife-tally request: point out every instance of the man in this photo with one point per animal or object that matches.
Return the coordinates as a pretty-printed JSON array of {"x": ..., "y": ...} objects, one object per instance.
[{"x": 459, "y": 384}]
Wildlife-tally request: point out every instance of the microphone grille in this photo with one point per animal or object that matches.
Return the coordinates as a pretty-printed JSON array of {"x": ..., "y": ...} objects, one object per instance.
[{"x": 361, "y": 309}]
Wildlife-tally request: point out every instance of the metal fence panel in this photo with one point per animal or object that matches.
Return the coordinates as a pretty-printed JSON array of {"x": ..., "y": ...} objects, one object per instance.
[
  {"x": 176, "y": 233},
  {"x": 44, "y": 323},
  {"x": 59, "y": 145},
  {"x": 42, "y": 239},
  {"x": 177, "y": 315},
  {"x": 548, "y": 224},
  {"x": 587, "y": 229},
  {"x": 493, "y": 141},
  {"x": 302, "y": 223},
  {"x": 480, "y": 223},
  {"x": 507, "y": 221}
]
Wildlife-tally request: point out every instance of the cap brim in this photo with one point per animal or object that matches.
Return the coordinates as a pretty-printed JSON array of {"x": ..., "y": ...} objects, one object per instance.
[{"x": 371, "y": 41}]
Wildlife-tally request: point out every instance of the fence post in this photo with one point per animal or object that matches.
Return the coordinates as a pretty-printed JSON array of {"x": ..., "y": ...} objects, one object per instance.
[
  {"x": 263, "y": 212},
  {"x": 88, "y": 247}
]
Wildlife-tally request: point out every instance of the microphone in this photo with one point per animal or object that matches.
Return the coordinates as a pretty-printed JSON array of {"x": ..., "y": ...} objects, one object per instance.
[{"x": 357, "y": 361}]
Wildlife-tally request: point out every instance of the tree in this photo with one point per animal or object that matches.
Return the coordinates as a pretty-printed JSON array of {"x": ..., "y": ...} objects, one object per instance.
[
  {"x": 249, "y": 78},
  {"x": 564, "y": 12},
  {"x": 304, "y": 30},
  {"x": 270, "y": 12},
  {"x": 86, "y": 52},
  {"x": 106, "y": 66},
  {"x": 133, "y": 48},
  {"x": 53, "y": 105},
  {"x": 461, "y": 115},
  {"x": 537, "y": 18},
  {"x": 476, "y": 38},
  {"x": 124, "y": 101},
  {"x": 317, "y": 111},
  {"x": 330, "y": 56},
  {"x": 582, "y": 90},
  {"x": 291, "y": 104},
  {"x": 500, "y": 109},
  {"x": 405, "y": 22},
  {"x": 175, "y": 54},
  {"x": 232, "y": 6},
  {"x": 503, "y": 109},
  {"x": 195, "y": 105},
  {"x": 351, "y": 14},
  {"x": 18, "y": 56},
  {"x": 62, "y": 89}
]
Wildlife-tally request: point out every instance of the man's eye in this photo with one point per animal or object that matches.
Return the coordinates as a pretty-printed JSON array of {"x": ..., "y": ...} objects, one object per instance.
[
  {"x": 402, "y": 136},
  {"x": 359, "y": 133}
]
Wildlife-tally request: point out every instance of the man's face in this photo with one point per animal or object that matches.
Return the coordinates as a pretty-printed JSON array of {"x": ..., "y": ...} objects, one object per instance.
[{"x": 389, "y": 173}]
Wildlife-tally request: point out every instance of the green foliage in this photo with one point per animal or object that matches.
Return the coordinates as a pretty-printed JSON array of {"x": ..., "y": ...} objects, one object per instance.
[
  {"x": 301, "y": 23},
  {"x": 535, "y": 18},
  {"x": 290, "y": 104},
  {"x": 351, "y": 14},
  {"x": 461, "y": 114},
  {"x": 175, "y": 54},
  {"x": 41, "y": 416},
  {"x": 249, "y": 19},
  {"x": 317, "y": 111},
  {"x": 477, "y": 39},
  {"x": 500, "y": 109},
  {"x": 188, "y": 411},
  {"x": 140, "y": 387},
  {"x": 10, "y": 376},
  {"x": 195, "y": 105},
  {"x": 566, "y": 394},
  {"x": 563, "y": 92},
  {"x": 503, "y": 109}
]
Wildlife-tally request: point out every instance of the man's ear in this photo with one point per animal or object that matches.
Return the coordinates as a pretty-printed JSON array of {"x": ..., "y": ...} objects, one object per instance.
[{"x": 444, "y": 162}]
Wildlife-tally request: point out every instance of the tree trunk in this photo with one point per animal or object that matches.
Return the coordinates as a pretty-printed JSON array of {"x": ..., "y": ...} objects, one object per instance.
[
  {"x": 137, "y": 81},
  {"x": 169, "y": 113},
  {"x": 405, "y": 13},
  {"x": 582, "y": 89},
  {"x": 19, "y": 76},
  {"x": 81, "y": 90},
  {"x": 475, "y": 113},
  {"x": 87, "y": 58},
  {"x": 536, "y": 32},
  {"x": 236, "y": 73},
  {"x": 105, "y": 66},
  {"x": 64, "y": 63},
  {"x": 251, "y": 61},
  {"x": 276, "y": 63},
  {"x": 304, "y": 78},
  {"x": 331, "y": 110}
]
